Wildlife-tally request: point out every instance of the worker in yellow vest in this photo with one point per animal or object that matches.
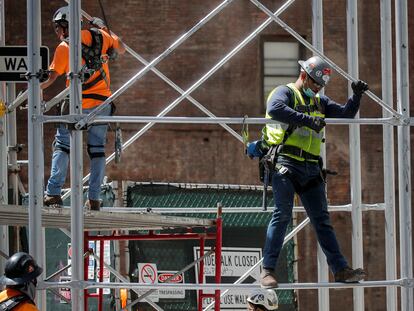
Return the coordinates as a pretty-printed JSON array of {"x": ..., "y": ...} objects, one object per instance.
[{"x": 294, "y": 147}]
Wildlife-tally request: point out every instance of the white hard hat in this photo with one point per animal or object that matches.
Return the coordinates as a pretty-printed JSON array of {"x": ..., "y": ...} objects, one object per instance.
[
  {"x": 264, "y": 297},
  {"x": 61, "y": 15}
]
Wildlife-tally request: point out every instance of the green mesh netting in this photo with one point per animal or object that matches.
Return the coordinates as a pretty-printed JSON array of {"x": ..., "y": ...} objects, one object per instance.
[{"x": 239, "y": 230}]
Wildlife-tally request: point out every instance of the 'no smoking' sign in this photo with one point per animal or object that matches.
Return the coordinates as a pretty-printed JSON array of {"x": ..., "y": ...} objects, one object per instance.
[{"x": 148, "y": 274}]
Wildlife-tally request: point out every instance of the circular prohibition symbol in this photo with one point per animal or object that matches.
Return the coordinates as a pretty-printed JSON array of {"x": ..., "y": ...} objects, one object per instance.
[{"x": 148, "y": 274}]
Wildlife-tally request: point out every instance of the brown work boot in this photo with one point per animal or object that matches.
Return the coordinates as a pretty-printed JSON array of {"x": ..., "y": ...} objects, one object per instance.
[
  {"x": 93, "y": 205},
  {"x": 268, "y": 278},
  {"x": 52, "y": 200},
  {"x": 349, "y": 275}
]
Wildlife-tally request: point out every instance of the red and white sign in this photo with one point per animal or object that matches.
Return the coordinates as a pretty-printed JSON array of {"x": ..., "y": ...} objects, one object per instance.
[
  {"x": 164, "y": 276},
  {"x": 64, "y": 291},
  {"x": 147, "y": 273},
  {"x": 171, "y": 293}
]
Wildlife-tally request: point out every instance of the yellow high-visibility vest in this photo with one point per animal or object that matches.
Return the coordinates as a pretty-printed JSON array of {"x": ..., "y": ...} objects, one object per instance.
[{"x": 302, "y": 137}]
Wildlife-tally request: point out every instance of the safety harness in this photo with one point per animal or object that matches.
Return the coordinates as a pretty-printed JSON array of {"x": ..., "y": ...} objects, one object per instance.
[
  {"x": 93, "y": 62},
  {"x": 268, "y": 162},
  {"x": 12, "y": 302}
]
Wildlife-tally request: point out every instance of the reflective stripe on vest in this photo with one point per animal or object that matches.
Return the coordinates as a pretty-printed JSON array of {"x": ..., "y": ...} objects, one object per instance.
[{"x": 302, "y": 137}]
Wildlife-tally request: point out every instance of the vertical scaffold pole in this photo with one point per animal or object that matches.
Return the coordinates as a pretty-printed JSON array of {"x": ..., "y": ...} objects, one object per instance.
[
  {"x": 404, "y": 152},
  {"x": 201, "y": 274},
  {"x": 4, "y": 237},
  {"x": 35, "y": 140},
  {"x": 85, "y": 267},
  {"x": 388, "y": 152},
  {"x": 355, "y": 154},
  {"x": 317, "y": 42},
  {"x": 101, "y": 273},
  {"x": 219, "y": 243},
  {"x": 76, "y": 160}
]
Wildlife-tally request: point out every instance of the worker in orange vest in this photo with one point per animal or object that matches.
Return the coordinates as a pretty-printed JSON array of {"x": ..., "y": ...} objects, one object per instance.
[{"x": 20, "y": 278}]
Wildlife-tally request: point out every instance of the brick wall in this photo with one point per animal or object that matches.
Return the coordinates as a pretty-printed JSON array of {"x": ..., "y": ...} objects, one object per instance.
[{"x": 207, "y": 153}]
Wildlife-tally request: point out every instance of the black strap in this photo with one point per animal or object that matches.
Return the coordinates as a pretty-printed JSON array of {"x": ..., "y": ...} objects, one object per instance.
[
  {"x": 102, "y": 76},
  {"x": 296, "y": 151},
  {"x": 12, "y": 302},
  {"x": 95, "y": 96}
]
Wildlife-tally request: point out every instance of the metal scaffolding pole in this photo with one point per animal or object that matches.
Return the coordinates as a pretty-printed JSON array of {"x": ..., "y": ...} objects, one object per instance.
[
  {"x": 404, "y": 152},
  {"x": 4, "y": 236},
  {"x": 221, "y": 286},
  {"x": 355, "y": 153},
  {"x": 205, "y": 120},
  {"x": 317, "y": 41},
  {"x": 35, "y": 139},
  {"x": 76, "y": 159},
  {"x": 388, "y": 153},
  {"x": 12, "y": 146}
]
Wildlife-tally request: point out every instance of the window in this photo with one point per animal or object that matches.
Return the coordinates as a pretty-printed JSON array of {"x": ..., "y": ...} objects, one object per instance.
[{"x": 280, "y": 64}]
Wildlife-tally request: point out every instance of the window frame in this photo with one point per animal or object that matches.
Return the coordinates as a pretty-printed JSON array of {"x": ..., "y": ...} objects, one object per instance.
[{"x": 274, "y": 38}]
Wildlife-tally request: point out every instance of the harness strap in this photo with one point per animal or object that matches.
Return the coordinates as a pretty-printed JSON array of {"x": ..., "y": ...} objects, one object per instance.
[
  {"x": 95, "y": 96},
  {"x": 95, "y": 154},
  {"x": 12, "y": 302},
  {"x": 101, "y": 76},
  {"x": 296, "y": 151}
]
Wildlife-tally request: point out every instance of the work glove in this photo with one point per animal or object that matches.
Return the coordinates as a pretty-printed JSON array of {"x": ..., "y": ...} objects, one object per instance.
[
  {"x": 317, "y": 124},
  {"x": 96, "y": 21},
  {"x": 359, "y": 87},
  {"x": 254, "y": 149}
]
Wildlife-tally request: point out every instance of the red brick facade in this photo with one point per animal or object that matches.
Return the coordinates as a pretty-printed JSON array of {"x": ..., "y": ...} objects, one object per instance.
[{"x": 208, "y": 153}]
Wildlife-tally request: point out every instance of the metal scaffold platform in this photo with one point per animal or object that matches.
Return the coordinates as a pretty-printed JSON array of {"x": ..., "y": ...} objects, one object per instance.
[{"x": 15, "y": 215}]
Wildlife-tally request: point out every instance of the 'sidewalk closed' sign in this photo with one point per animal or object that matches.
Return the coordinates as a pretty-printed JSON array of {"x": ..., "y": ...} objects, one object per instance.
[{"x": 235, "y": 261}]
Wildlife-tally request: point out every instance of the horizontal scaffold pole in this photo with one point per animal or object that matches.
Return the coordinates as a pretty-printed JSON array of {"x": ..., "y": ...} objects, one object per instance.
[
  {"x": 204, "y": 120},
  {"x": 221, "y": 286}
]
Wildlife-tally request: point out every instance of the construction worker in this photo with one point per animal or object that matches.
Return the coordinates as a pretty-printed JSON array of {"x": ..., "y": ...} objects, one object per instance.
[
  {"x": 294, "y": 147},
  {"x": 20, "y": 278},
  {"x": 262, "y": 300},
  {"x": 98, "y": 46}
]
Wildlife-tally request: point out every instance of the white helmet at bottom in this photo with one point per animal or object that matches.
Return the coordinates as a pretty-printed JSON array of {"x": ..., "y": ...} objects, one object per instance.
[{"x": 264, "y": 297}]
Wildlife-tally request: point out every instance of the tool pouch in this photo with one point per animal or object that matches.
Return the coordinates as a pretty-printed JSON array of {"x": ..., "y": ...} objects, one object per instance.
[{"x": 268, "y": 162}]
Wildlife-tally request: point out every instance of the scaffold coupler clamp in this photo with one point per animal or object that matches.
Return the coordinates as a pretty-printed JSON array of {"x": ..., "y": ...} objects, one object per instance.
[{"x": 42, "y": 75}]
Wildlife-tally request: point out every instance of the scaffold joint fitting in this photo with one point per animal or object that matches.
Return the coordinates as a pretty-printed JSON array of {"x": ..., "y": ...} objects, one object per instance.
[
  {"x": 42, "y": 75},
  {"x": 407, "y": 282}
]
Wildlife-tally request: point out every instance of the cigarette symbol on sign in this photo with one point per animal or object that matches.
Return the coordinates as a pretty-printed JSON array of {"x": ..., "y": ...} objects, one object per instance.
[{"x": 148, "y": 274}]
